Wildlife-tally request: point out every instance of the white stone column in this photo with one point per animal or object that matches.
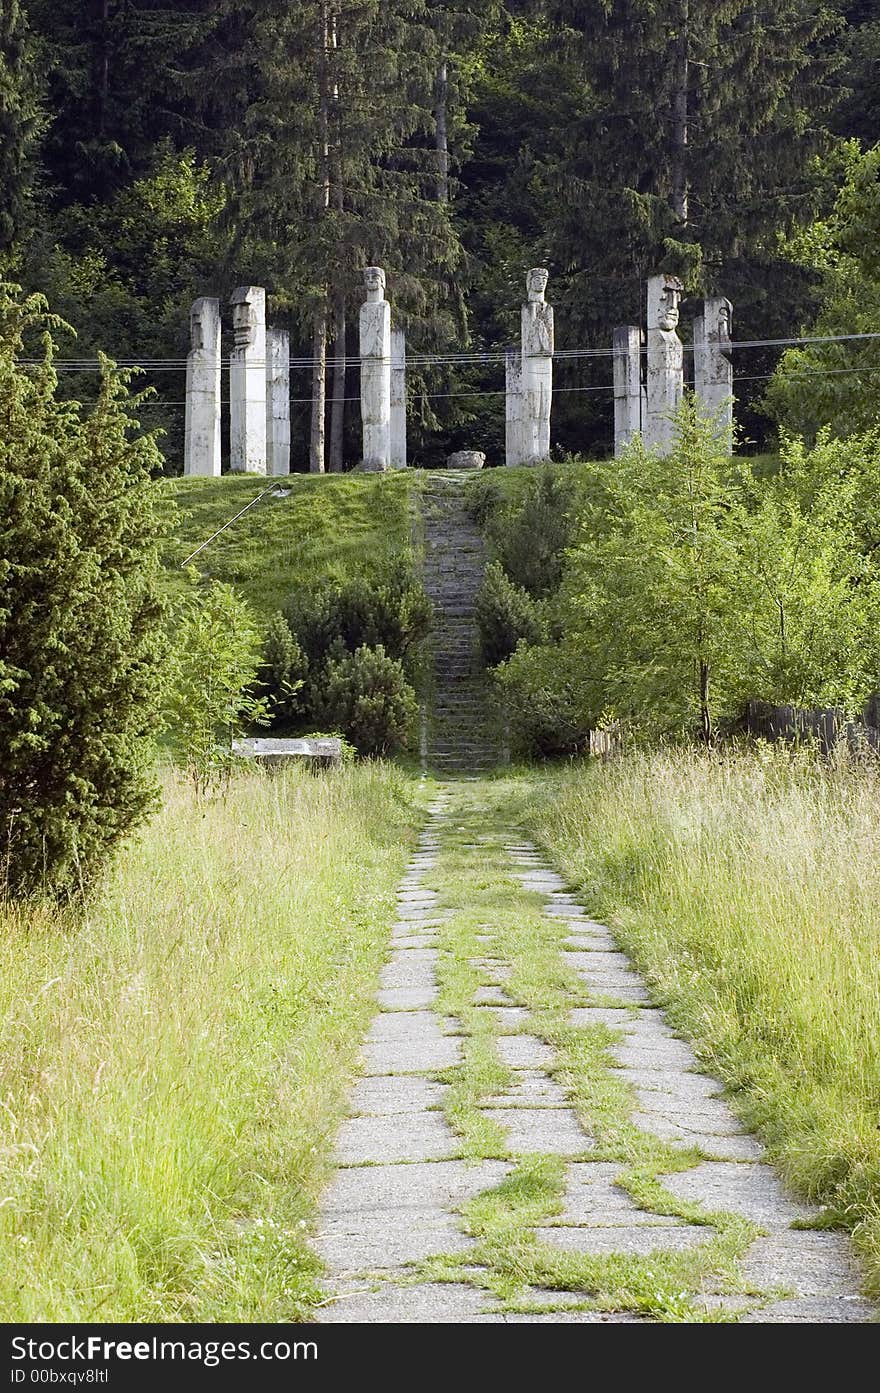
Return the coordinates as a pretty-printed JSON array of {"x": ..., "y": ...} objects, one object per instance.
[
  {"x": 375, "y": 344},
  {"x": 628, "y": 390},
  {"x": 277, "y": 401},
  {"x": 247, "y": 381},
  {"x": 537, "y": 368},
  {"x": 201, "y": 441},
  {"x": 398, "y": 399},
  {"x": 513, "y": 441},
  {"x": 713, "y": 364},
  {"x": 665, "y": 386}
]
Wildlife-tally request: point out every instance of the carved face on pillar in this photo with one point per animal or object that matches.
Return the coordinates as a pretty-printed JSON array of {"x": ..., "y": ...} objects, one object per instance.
[
  {"x": 724, "y": 321},
  {"x": 244, "y": 318},
  {"x": 536, "y": 284},
  {"x": 374, "y": 280},
  {"x": 664, "y": 294}
]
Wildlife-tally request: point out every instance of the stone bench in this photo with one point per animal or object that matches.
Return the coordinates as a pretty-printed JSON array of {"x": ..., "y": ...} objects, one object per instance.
[{"x": 324, "y": 750}]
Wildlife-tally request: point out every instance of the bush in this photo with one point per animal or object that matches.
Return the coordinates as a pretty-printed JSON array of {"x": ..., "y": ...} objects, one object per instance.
[
  {"x": 282, "y": 674},
  {"x": 390, "y": 610},
  {"x": 505, "y": 615},
  {"x": 366, "y": 696},
  {"x": 211, "y": 695},
  {"x": 532, "y": 535},
  {"x": 550, "y": 704},
  {"x": 81, "y": 631}
]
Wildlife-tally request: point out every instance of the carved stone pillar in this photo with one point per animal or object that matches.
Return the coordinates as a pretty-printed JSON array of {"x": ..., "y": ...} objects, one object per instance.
[
  {"x": 247, "y": 381},
  {"x": 537, "y": 368},
  {"x": 628, "y": 390},
  {"x": 277, "y": 401},
  {"x": 201, "y": 444},
  {"x": 665, "y": 385},
  {"x": 398, "y": 399},
  {"x": 375, "y": 344},
  {"x": 513, "y": 406},
  {"x": 713, "y": 364}
]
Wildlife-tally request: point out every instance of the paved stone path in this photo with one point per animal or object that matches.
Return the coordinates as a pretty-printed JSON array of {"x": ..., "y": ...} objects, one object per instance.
[{"x": 401, "y": 1180}]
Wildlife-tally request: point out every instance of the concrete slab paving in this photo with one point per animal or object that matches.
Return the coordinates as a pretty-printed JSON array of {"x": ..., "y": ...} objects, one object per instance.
[
  {"x": 635, "y": 1240},
  {"x": 553, "y": 1131},
  {"x": 397, "y": 1194},
  {"x": 372, "y": 1140}
]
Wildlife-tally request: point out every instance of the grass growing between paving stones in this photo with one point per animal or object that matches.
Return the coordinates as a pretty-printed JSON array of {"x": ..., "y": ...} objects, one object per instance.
[
  {"x": 747, "y": 887},
  {"x": 174, "y": 1066},
  {"x": 525, "y": 954}
]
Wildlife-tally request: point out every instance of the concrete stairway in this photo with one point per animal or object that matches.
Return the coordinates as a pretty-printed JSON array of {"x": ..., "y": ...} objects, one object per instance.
[{"x": 461, "y": 727}]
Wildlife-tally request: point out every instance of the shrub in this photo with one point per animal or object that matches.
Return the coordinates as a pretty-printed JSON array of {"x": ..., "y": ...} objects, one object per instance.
[
  {"x": 366, "y": 696},
  {"x": 550, "y": 704},
  {"x": 505, "y": 615},
  {"x": 211, "y": 694},
  {"x": 282, "y": 674},
  {"x": 81, "y": 632},
  {"x": 390, "y": 610},
  {"x": 532, "y": 535}
]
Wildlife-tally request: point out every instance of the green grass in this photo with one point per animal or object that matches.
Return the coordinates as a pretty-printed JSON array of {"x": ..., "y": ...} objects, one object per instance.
[
  {"x": 173, "y": 1069},
  {"x": 330, "y": 527},
  {"x": 747, "y": 888}
]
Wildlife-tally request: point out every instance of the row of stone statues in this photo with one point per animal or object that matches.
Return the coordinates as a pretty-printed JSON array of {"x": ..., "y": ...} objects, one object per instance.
[
  {"x": 646, "y": 406},
  {"x": 645, "y": 402},
  {"x": 259, "y": 389}
]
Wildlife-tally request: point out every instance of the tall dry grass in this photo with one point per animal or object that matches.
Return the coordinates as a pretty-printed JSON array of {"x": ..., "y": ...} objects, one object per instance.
[
  {"x": 747, "y": 886},
  {"x": 173, "y": 1066}
]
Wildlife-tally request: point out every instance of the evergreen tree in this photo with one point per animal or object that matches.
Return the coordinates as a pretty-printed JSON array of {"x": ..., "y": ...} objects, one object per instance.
[
  {"x": 21, "y": 124},
  {"x": 336, "y": 170},
  {"x": 81, "y": 647}
]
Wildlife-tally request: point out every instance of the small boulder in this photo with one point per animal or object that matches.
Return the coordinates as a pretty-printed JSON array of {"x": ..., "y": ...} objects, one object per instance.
[{"x": 466, "y": 459}]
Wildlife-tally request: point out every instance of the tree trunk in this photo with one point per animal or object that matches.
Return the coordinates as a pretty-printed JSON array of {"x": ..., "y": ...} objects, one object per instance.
[
  {"x": 705, "y": 713},
  {"x": 337, "y": 406},
  {"x": 442, "y": 139},
  {"x": 104, "y": 84},
  {"x": 680, "y": 119},
  {"x": 319, "y": 334},
  {"x": 319, "y": 388}
]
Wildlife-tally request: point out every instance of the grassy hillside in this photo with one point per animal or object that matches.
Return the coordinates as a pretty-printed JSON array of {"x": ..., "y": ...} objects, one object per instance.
[{"x": 327, "y": 526}]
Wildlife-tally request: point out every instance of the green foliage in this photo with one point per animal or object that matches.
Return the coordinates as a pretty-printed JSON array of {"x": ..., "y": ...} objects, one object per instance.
[
  {"x": 505, "y": 614},
  {"x": 365, "y": 694},
  {"x": 21, "y": 124},
  {"x": 835, "y": 384},
  {"x": 389, "y": 609},
  {"x": 282, "y": 673},
  {"x": 211, "y": 697},
  {"x": 530, "y": 536},
  {"x": 699, "y": 585},
  {"x": 80, "y": 615}
]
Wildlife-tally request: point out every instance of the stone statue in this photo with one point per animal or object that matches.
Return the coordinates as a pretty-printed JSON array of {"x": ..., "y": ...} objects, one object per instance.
[
  {"x": 537, "y": 368},
  {"x": 629, "y": 394},
  {"x": 247, "y": 381},
  {"x": 201, "y": 446},
  {"x": 277, "y": 401},
  {"x": 375, "y": 346},
  {"x": 665, "y": 378},
  {"x": 713, "y": 363}
]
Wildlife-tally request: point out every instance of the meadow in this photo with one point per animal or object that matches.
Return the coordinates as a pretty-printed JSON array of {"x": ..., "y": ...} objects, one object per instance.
[
  {"x": 174, "y": 1064},
  {"x": 747, "y": 887}
]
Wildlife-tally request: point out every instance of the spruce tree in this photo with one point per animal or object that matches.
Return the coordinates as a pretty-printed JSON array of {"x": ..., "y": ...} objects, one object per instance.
[
  {"x": 336, "y": 169},
  {"x": 81, "y": 648},
  {"x": 21, "y": 124}
]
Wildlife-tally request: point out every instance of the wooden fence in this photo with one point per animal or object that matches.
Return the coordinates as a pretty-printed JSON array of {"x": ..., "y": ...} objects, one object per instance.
[{"x": 827, "y": 727}]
